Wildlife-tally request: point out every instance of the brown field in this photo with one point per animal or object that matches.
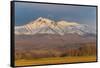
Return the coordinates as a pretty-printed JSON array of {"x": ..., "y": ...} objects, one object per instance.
[
  {"x": 43, "y": 49},
  {"x": 85, "y": 53},
  {"x": 56, "y": 60}
]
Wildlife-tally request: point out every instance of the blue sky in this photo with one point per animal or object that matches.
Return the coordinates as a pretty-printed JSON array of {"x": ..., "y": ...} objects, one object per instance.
[{"x": 26, "y": 12}]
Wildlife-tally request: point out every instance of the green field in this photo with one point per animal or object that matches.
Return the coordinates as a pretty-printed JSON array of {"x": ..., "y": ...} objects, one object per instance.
[{"x": 54, "y": 60}]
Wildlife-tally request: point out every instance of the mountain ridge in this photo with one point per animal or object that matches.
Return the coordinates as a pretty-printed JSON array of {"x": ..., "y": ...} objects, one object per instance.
[{"x": 47, "y": 26}]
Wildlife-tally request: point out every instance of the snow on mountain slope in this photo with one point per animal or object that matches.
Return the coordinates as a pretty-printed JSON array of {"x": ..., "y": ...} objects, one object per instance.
[{"x": 44, "y": 25}]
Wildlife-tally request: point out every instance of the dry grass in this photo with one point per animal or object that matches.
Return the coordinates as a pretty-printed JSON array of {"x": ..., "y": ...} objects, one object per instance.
[{"x": 56, "y": 60}]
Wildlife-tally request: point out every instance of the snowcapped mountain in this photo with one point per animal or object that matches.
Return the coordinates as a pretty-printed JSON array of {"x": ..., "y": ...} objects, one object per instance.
[{"x": 47, "y": 26}]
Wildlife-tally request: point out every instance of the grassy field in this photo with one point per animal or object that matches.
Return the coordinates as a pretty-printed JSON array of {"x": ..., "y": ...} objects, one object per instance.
[{"x": 56, "y": 60}]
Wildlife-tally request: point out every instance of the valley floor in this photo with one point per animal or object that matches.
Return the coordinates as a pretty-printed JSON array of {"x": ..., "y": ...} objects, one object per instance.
[{"x": 56, "y": 60}]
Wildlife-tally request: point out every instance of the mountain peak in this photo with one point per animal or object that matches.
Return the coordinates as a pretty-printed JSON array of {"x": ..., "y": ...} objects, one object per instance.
[
  {"x": 44, "y": 25},
  {"x": 43, "y": 19},
  {"x": 66, "y": 23}
]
